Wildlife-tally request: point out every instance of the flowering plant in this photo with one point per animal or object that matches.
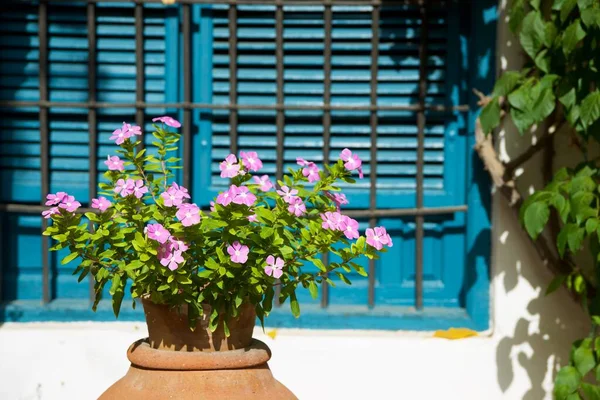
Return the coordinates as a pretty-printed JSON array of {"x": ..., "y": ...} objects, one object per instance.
[{"x": 256, "y": 235}]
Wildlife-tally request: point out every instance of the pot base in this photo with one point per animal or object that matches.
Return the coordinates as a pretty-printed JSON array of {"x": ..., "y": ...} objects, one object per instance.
[{"x": 159, "y": 374}]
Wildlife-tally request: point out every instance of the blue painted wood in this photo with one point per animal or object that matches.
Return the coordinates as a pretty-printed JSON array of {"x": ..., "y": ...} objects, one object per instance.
[{"x": 456, "y": 247}]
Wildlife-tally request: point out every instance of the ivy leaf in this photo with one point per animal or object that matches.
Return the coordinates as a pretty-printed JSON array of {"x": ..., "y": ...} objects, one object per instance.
[
  {"x": 568, "y": 99},
  {"x": 521, "y": 119},
  {"x": 574, "y": 237},
  {"x": 556, "y": 283},
  {"x": 590, "y": 108},
  {"x": 572, "y": 36},
  {"x": 566, "y": 9},
  {"x": 516, "y": 15},
  {"x": 543, "y": 106},
  {"x": 542, "y": 60},
  {"x": 490, "y": 115},
  {"x": 567, "y": 381},
  {"x": 532, "y": 33},
  {"x": 590, "y": 17},
  {"x": 583, "y": 4},
  {"x": 535, "y": 218},
  {"x": 592, "y": 392},
  {"x": 506, "y": 83},
  {"x": 520, "y": 98},
  {"x": 584, "y": 360}
]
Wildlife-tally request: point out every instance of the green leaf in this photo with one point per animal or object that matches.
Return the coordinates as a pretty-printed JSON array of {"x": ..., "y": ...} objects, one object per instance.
[
  {"x": 520, "y": 97},
  {"x": 556, "y": 283},
  {"x": 568, "y": 99},
  {"x": 319, "y": 264},
  {"x": 313, "y": 289},
  {"x": 567, "y": 381},
  {"x": 584, "y": 360},
  {"x": 572, "y": 36},
  {"x": 566, "y": 9},
  {"x": 69, "y": 258},
  {"x": 294, "y": 305},
  {"x": 592, "y": 392},
  {"x": 490, "y": 115},
  {"x": 590, "y": 108},
  {"x": 532, "y": 33},
  {"x": 535, "y": 218},
  {"x": 583, "y": 4},
  {"x": 542, "y": 60},
  {"x": 265, "y": 215},
  {"x": 266, "y": 232},
  {"x": 284, "y": 250},
  {"x": 574, "y": 236},
  {"x": 543, "y": 105},
  {"x": 591, "y": 225},
  {"x": 591, "y": 17},
  {"x": 211, "y": 264},
  {"x": 506, "y": 83},
  {"x": 516, "y": 14},
  {"x": 211, "y": 223}
]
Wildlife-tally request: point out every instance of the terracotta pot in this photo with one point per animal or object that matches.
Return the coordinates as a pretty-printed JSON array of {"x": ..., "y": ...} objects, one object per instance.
[{"x": 175, "y": 362}]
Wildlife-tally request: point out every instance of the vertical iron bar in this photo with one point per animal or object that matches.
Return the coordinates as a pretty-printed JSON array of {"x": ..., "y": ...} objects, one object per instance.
[
  {"x": 327, "y": 26},
  {"x": 44, "y": 145},
  {"x": 139, "y": 67},
  {"x": 279, "y": 116},
  {"x": 187, "y": 94},
  {"x": 233, "y": 95},
  {"x": 92, "y": 116},
  {"x": 420, "y": 219},
  {"x": 373, "y": 155}
]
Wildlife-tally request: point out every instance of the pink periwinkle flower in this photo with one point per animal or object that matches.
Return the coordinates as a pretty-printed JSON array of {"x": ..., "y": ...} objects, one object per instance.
[
  {"x": 297, "y": 207},
  {"x": 352, "y": 161},
  {"x": 331, "y": 220},
  {"x": 378, "y": 237},
  {"x": 226, "y": 197},
  {"x": 124, "y": 187},
  {"x": 168, "y": 121},
  {"x": 212, "y": 206},
  {"x": 287, "y": 194},
  {"x": 138, "y": 188},
  {"x": 311, "y": 171},
  {"x": 174, "y": 195},
  {"x": 50, "y": 212},
  {"x": 114, "y": 163},
  {"x": 264, "y": 182},
  {"x": 252, "y": 218},
  {"x": 157, "y": 232},
  {"x": 302, "y": 162},
  {"x": 338, "y": 198},
  {"x": 244, "y": 196},
  {"x": 251, "y": 160},
  {"x": 70, "y": 204},
  {"x": 238, "y": 252},
  {"x": 171, "y": 260},
  {"x": 349, "y": 227},
  {"x": 125, "y": 132},
  {"x": 229, "y": 168},
  {"x": 54, "y": 199},
  {"x": 274, "y": 267},
  {"x": 188, "y": 214},
  {"x": 177, "y": 244},
  {"x": 101, "y": 203}
]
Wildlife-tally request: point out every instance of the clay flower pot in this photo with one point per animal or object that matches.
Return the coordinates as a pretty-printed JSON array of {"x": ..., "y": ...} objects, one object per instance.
[{"x": 175, "y": 362}]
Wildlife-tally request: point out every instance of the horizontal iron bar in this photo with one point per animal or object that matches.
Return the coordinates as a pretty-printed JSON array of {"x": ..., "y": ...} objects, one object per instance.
[
  {"x": 264, "y": 2},
  {"x": 60, "y": 104},
  {"x": 388, "y": 212}
]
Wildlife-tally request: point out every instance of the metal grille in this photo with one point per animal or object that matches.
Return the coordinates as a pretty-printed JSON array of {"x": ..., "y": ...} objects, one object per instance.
[{"x": 372, "y": 213}]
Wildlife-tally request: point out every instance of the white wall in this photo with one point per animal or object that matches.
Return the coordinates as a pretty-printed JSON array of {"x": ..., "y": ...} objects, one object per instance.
[{"x": 531, "y": 336}]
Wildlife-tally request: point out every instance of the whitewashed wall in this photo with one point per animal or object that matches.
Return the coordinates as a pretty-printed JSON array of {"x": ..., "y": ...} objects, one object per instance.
[{"x": 531, "y": 335}]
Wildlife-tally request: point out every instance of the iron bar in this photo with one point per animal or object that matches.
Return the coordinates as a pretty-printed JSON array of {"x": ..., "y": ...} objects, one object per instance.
[
  {"x": 187, "y": 94},
  {"x": 419, "y": 219},
  {"x": 44, "y": 145},
  {"x": 92, "y": 116},
  {"x": 327, "y": 28},
  {"x": 233, "y": 96},
  {"x": 139, "y": 67},
  {"x": 268, "y": 2},
  {"x": 280, "y": 106},
  {"x": 280, "y": 118},
  {"x": 373, "y": 154}
]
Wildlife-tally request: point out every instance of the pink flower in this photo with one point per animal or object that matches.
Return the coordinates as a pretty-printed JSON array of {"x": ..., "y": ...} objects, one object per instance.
[
  {"x": 350, "y": 227},
  {"x": 212, "y": 206},
  {"x": 338, "y": 198},
  {"x": 48, "y": 213},
  {"x": 157, "y": 232},
  {"x": 70, "y": 204},
  {"x": 352, "y": 161},
  {"x": 251, "y": 160},
  {"x": 274, "y": 267},
  {"x": 177, "y": 244},
  {"x": 174, "y": 195},
  {"x": 264, "y": 182},
  {"x": 101, "y": 203},
  {"x": 126, "y": 131},
  {"x": 311, "y": 171},
  {"x": 138, "y": 188},
  {"x": 238, "y": 252},
  {"x": 114, "y": 163},
  {"x": 297, "y": 207},
  {"x": 287, "y": 194},
  {"x": 168, "y": 121},
  {"x": 302, "y": 162},
  {"x": 331, "y": 220},
  {"x": 378, "y": 237},
  {"x": 188, "y": 214},
  {"x": 229, "y": 168},
  {"x": 225, "y": 198},
  {"x": 252, "y": 218},
  {"x": 243, "y": 196},
  {"x": 125, "y": 188},
  {"x": 172, "y": 260},
  {"x": 54, "y": 199}
]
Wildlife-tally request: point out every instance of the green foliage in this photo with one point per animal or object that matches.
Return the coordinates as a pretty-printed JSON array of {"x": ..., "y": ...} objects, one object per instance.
[{"x": 115, "y": 249}]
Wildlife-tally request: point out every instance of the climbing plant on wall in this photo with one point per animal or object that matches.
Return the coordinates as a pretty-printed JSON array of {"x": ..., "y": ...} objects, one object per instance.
[{"x": 557, "y": 93}]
